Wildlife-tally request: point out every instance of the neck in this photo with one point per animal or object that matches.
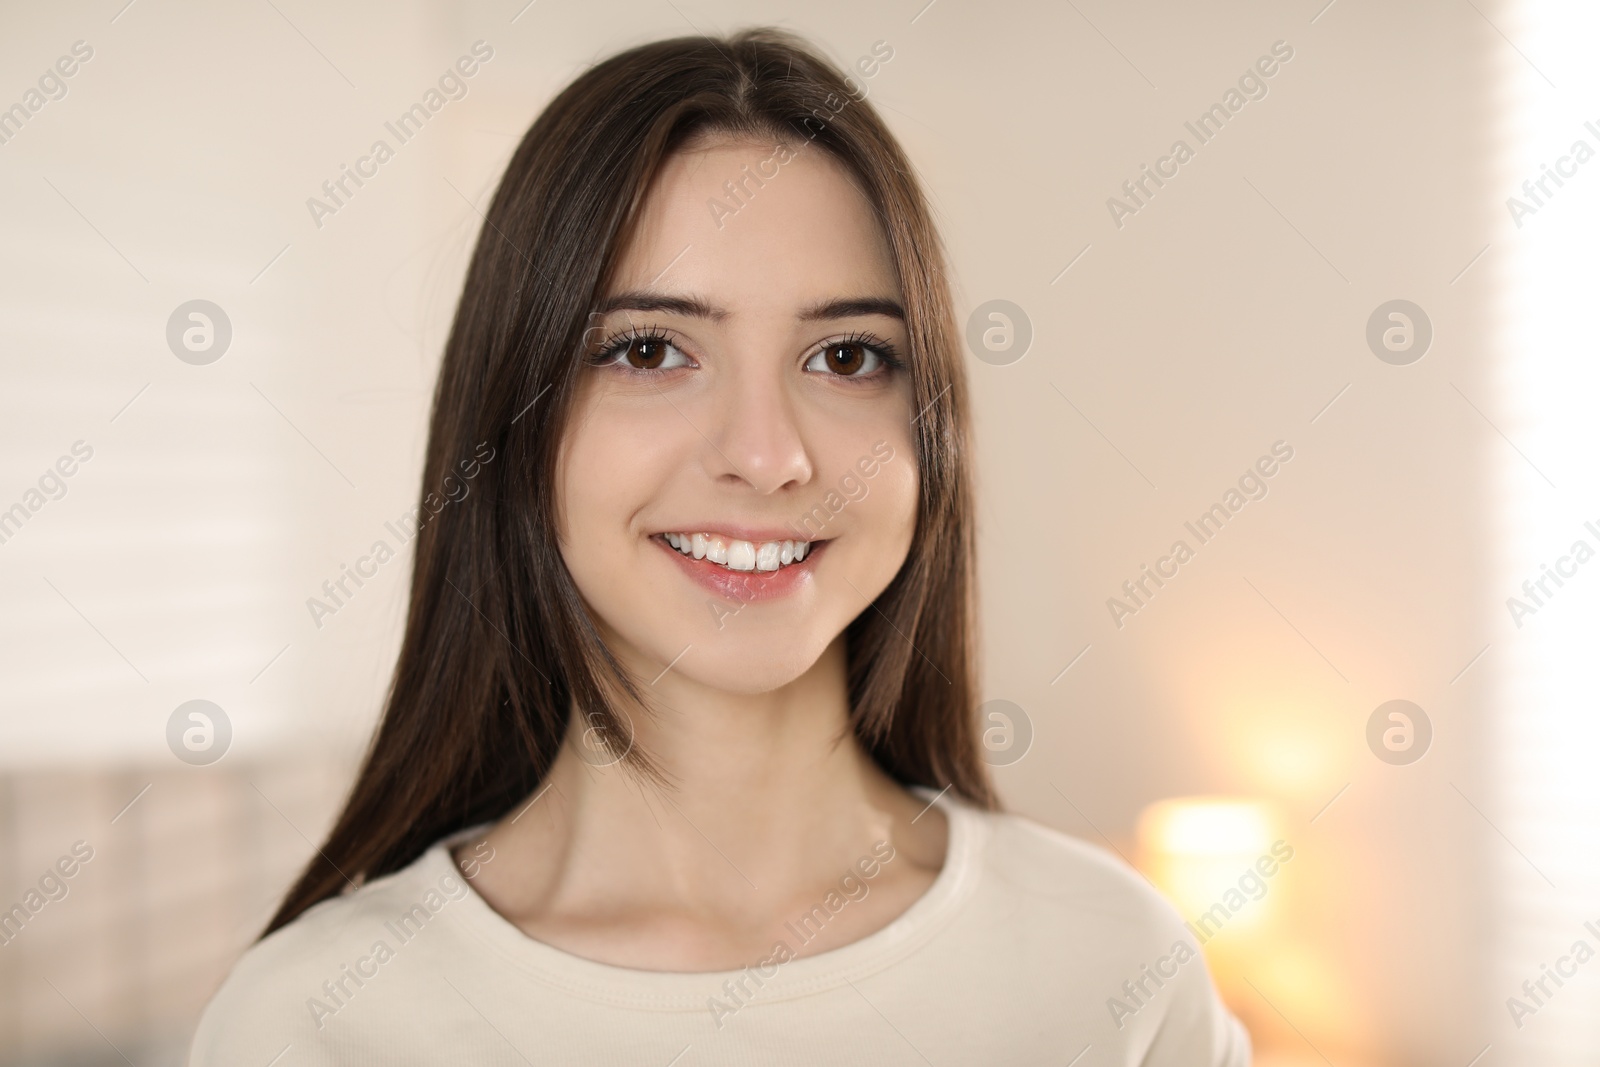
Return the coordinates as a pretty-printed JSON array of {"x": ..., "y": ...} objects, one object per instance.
[
  {"x": 768, "y": 790},
  {"x": 771, "y": 777},
  {"x": 769, "y": 802}
]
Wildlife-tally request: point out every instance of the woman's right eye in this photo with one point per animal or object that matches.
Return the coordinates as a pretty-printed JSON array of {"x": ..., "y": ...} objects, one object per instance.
[{"x": 645, "y": 353}]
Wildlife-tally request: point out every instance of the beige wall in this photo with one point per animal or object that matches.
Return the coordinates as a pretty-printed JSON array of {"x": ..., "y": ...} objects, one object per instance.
[{"x": 1222, "y": 317}]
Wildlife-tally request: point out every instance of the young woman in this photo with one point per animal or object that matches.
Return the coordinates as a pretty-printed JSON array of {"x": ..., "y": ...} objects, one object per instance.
[{"x": 680, "y": 763}]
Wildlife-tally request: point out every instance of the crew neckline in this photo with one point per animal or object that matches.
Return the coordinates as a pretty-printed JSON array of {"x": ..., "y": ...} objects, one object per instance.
[{"x": 688, "y": 990}]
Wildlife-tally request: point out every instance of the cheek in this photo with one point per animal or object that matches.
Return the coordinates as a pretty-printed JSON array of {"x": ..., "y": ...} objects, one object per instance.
[
  {"x": 880, "y": 513},
  {"x": 612, "y": 463},
  {"x": 896, "y": 488}
]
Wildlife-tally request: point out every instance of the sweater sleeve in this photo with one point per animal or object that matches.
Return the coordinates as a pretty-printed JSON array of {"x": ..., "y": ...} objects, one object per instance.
[{"x": 1197, "y": 1028}]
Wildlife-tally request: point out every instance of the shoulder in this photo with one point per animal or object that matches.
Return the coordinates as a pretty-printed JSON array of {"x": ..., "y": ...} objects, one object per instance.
[
  {"x": 1035, "y": 859},
  {"x": 1068, "y": 895},
  {"x": 1110, "y": 942},
  {"x": 285, "y": 987}
]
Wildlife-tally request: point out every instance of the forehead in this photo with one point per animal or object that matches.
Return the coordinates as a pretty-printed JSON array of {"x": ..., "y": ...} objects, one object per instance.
[{"x": 757, "y": 228}]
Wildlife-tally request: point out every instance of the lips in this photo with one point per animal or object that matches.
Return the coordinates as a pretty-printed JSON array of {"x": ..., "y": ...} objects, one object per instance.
[{"x": 752, "y": 568}]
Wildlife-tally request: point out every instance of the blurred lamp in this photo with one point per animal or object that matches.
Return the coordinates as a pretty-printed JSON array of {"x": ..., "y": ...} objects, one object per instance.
[{"x": 1198, "y": 850}]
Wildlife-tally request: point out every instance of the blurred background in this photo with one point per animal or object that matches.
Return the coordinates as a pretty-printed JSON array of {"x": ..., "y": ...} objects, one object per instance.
[{"x": 1369, "y": 271}]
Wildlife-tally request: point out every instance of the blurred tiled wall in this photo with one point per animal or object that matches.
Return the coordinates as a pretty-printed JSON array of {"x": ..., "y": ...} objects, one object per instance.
[{"x": 186, "y": 867}]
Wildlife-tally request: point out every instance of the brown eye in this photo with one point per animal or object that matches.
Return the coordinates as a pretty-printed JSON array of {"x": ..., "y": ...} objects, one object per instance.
[
  {"x": 846, "y": 358},
  {"x": 646, "y": 353}
]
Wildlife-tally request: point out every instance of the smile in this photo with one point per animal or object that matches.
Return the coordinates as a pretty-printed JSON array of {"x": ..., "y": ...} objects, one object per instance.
[{"x": 737, "y": 555}]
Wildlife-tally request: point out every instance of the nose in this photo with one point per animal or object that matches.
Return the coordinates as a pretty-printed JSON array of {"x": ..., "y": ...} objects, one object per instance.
[{"x": 757, "y": 436}]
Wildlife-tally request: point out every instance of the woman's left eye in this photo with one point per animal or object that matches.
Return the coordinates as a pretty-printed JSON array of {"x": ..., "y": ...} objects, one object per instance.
[{"x": 849, "y": 359}]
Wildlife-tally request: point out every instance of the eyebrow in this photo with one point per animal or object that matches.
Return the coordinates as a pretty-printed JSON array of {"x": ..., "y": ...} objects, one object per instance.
[
  {"x": 639, "y": 300},
  {"x": 696, "y": 308},
  {"x": 846, "y": 309}
]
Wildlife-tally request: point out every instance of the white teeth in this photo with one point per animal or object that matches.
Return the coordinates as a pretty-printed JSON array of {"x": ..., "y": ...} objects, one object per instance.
[
  {"x": 741, "y": 556},
  {"x": 738, "y": 555}
]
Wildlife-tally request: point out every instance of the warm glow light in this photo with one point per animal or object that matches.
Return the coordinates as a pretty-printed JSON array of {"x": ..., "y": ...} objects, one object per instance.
[
  {"x": 1197, "y": 850},
  {"x": 1221, "y": 861},
  {"x": 1206, "y": 826}
]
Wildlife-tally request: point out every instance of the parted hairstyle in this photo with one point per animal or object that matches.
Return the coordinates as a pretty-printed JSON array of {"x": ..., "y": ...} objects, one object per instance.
[{"x": 499, "y": 649}]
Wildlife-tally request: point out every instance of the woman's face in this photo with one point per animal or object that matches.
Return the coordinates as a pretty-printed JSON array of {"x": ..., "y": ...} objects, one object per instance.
[{"x": 738, "y": 480}]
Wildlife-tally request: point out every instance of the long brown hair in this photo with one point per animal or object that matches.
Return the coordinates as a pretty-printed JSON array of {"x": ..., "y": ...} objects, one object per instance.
[{"x": 499, "y": 648}]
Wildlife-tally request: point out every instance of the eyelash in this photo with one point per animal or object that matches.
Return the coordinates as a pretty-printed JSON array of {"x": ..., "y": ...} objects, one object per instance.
[
  {"x": 617, "y": 343},
  {"x": 887, "y": 353}
]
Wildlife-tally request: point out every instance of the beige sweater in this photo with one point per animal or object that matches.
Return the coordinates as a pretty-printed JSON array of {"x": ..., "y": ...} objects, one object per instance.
[{"x": 1015, "y": 955}]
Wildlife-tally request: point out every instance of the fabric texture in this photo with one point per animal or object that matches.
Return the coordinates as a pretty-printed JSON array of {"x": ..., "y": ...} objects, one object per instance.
[{"x": 1015, "y": 955}]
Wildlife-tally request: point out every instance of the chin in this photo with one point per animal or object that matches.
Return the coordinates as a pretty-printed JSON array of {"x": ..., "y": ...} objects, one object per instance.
[
  {"x": 761, "y": 648},
  {"x": 738, "y": 668}
]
